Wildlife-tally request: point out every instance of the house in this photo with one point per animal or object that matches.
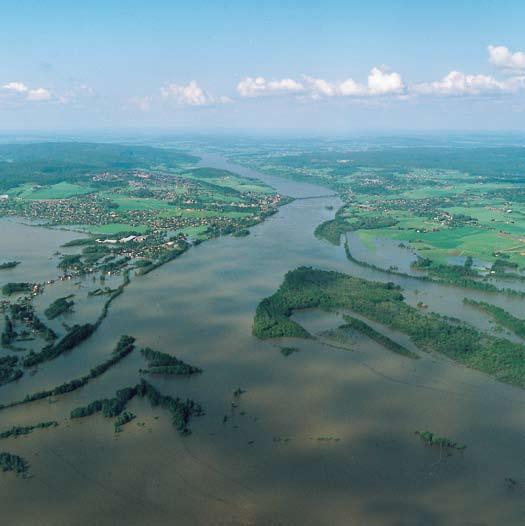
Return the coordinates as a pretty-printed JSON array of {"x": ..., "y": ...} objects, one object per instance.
[{"x": 4, "y": 197}]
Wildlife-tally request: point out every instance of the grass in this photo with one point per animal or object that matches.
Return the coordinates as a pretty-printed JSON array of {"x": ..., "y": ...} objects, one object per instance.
[
  {"x": 450, "y": 190},
  {"x": 195, "y": 232},
  {"x": 137, "y": 203},
  {"x": 114, "y": 228},
  {"x": 478, "y": 242},
  {"x": 61, "y": 190}
]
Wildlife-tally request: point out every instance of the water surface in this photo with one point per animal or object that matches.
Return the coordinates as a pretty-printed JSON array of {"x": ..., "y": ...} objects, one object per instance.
[{"x": 324, "y": 436}]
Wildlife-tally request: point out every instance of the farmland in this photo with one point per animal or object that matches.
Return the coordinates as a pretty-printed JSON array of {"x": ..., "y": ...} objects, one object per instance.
[{"x": 457, "y": 204}]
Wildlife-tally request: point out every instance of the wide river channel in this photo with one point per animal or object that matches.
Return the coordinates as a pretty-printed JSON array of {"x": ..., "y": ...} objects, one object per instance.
[{"x": 323, "y": 436}]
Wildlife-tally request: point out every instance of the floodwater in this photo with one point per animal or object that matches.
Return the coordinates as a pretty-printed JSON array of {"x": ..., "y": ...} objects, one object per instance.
[{"x": 324, "y": 436}]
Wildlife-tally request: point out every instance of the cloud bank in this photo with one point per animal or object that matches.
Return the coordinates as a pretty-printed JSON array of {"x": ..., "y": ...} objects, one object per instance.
[
  {"x": 383, "y": 83},
  {"x": 379, "y": 82},
  {"x": 20, "y": 90}
]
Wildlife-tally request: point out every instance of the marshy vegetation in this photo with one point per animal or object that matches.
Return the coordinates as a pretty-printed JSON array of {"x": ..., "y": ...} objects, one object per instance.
[
  {"x": 58, "y": 307},
  {"x": 9, "y": 372},
  {"x": 438, "y": 273},
  {"x": 9, "y": 264},
  {"x": 24, "y": 313},
  {"x": 439, "y": 441},
  {"x": 181, "y": 410},
  {"x": 124, "y": 347},
  {"x": 333, "y": 229},
  {"x": 163, "y": 363},
  {"x": 501, "y": 316},
  {"x": 72, "y": 339},
  {"x": 17, "y": 431},
  {"x": 384, "y": 303},
  {"x": 385, "y": 341},
  {"x": 122, "y": 420},
  {"x": 9, "y": 333},
  {"x": 287, "y": 351},
  {"x": 243, "y": 232},
  {"x": 16, "y": 288},
  {"x": 11, "y": 462}
]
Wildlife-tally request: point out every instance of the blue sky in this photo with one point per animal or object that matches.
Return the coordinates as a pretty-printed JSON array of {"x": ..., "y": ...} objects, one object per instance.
[{"x": 267, "y": 65}]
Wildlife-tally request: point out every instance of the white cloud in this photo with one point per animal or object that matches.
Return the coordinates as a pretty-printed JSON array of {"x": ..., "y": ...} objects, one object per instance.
[
  {"x": 501, "y": 57},
  {"x": 253, "y": 87},
  {"x": 20, "y": 90},
  {"x": 458, "y": 83},
  {"x": 320, "y": 88},
  {"x": 189, "y": 95},
  {"x": 350, "y": 87},
  {"x": 382, "y": 83},
  {"x": 38, "y": 94},
  {"x": 379, "y": 83},
  {"x": 17, "y": 87}
]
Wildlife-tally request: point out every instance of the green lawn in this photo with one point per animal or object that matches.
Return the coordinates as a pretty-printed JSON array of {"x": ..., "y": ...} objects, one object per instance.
[
  {"x": 196, "y": 232},
  {"x": 451, "y": 190},
  {"x": 56, "y": 191},
  {"x": 113, "y": 228},
  {"x": 137, "y": 203}
]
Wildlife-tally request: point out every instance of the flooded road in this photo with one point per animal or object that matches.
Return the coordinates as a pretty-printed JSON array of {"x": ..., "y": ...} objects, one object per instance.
[{"x": 323, "y": 436}]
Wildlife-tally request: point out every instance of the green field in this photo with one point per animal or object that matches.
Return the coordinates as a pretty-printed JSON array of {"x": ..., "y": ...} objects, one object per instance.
[
  {"x": 460, "y": 241},
  {"x": 451, "y": 190},
  {"x": 196, "y": 232},
  {"x": 497, "y": 231},
  {"x": 137, "y": 203},
  {"x": 113, "y": 228},
  {"x": 61, "y": 190}
]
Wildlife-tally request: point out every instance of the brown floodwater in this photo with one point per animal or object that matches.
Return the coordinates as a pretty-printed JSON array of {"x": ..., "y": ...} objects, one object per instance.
[{"x": 323, "y": 436}]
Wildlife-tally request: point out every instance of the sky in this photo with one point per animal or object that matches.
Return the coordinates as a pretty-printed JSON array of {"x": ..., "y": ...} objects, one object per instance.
[{"x": 270, "y": 66}]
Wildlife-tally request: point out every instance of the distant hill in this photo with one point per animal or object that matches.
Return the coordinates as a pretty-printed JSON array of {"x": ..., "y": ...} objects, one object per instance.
[{"x": 53, "y": 162}]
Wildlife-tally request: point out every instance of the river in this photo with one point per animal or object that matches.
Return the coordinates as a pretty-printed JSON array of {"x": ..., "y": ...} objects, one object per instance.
[{"x": 324, "y": 436}]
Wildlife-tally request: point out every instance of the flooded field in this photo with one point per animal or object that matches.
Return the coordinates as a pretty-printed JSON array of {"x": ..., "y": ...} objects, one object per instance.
[{"x": 323, "y": 436}]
